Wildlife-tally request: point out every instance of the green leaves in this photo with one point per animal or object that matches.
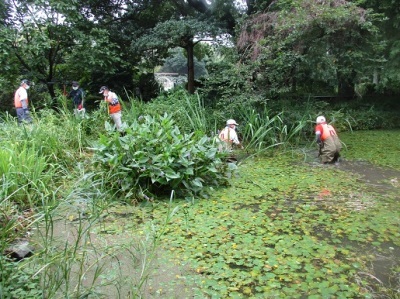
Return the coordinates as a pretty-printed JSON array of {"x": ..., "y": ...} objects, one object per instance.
[
  {"x": 22, "y": 172},
  {"x": 308, "y": 46},
  {"x": 154, "y": 155}
]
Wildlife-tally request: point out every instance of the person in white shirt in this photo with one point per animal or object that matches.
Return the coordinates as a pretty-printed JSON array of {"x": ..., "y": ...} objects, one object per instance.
[
  {"x": 229, "y": 136},
  {"x": 21, "y": 102},
  {"x": 114, "y": 106}
]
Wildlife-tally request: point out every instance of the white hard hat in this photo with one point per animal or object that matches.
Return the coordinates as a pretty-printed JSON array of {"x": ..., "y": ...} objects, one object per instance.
[
  {"x": 231, "y": 122},
  {"x": 320, "y": 119}
]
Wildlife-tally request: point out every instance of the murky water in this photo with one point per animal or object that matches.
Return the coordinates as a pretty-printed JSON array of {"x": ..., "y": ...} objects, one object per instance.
[
  {"x": 169, "y": 277},
  {"x": 379, "y": 180},
  {"x": 384, "y": 179}
]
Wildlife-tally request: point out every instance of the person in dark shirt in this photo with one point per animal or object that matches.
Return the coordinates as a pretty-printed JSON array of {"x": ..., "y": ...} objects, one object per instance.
[{"x": 77, "y": 95}]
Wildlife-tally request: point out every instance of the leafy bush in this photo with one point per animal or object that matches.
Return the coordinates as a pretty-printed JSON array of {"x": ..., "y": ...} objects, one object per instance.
[
  {"x": 18, "y": 282},
  {"x": 366, "y": 117},
  {"x": 227, "y": 81},
  {"x": 154, "y": 155},
  {"x": 369, "y": 119}
]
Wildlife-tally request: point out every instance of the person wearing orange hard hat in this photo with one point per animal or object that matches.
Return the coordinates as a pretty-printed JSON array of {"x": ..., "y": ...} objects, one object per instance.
[{"x": 328, "y": 141}]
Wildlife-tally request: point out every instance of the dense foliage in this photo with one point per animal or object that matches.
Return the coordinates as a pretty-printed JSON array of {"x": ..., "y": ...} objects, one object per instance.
[
  {"x": 268, "y": 48},
  {"x": 70, "y": 172},
  {"x": 92, "y": 201},
  {"x": 154, "y": 156}
]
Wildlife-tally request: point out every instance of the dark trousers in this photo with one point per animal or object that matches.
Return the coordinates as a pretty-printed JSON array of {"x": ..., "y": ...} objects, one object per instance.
[{"x": 23, "y": 116}]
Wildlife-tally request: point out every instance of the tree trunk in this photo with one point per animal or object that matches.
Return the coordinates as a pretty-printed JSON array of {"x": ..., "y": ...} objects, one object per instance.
[
  {"x": 190, "y": 66},
  {"x": 54, "y": 103},
  {"x": 375, "y": 79},
  {"x": 250, "y": 7}
]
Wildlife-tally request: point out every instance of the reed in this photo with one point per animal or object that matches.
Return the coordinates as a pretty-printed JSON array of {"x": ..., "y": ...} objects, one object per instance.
[{"x": 263, "y": 130}]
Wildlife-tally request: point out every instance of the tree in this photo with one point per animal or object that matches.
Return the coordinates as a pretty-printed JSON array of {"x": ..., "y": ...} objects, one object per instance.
[
  {"x": 95, "y": 42},
  {"x": 194, "y": 21},
  {"x": 184, "y": 33},
  {"x": 41, "y": 37},
  {"x": 36, "y": 36},
  {"x": 308, "y": 42},
  {"x": 177, "y": 63},
  {"x": 386, "y": 72}
]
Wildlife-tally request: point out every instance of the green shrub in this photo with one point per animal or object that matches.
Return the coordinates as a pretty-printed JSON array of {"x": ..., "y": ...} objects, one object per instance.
[
  {"x": 154, "y": 155},
  {"x": 18, "y": 282}
]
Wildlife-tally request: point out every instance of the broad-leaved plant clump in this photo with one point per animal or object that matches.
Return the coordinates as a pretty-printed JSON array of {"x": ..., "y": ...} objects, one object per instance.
[
  {"x": 153, "y": 155},
  {"x": 18, "y": 282}
]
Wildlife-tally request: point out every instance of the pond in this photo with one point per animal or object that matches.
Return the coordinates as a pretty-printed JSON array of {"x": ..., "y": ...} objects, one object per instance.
[{"x": 286, "y": 227}]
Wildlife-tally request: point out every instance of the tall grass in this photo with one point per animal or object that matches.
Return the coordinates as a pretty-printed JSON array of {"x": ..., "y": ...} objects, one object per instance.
[
  {"x": 23, "y": 173},
  {"x": 75, "y": 254},
  {"x": 188, "y": 112},
  {"x": 43, "y": 168},
  {"x": 56, "y": 136},
  {"x": 262, "y": 131},
  {"x": 198, "y": 117}
]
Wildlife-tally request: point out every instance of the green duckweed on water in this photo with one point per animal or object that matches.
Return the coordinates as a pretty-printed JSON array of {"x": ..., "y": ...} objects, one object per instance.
[
  {"x": 284, "y": 228},
  {"x": 378, "y": 147},
  {"x": 290, "y": 229}
]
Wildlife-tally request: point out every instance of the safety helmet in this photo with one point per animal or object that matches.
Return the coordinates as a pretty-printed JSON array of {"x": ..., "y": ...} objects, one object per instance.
[
  {"x": 231, "y": 122},
  {"x": 320, "y": 119},
  {"x": 26, "y": 81},
  {"x": 103, "y": 88}
]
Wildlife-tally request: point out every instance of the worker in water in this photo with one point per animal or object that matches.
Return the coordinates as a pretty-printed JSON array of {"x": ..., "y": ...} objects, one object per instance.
[
  {"x": 229, "y": 136},
  {"x": 328, "y": 141}
]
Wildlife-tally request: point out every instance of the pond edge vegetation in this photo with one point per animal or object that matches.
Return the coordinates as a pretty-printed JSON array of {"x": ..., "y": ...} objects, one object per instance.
[{"x": 78, "y": 169}]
